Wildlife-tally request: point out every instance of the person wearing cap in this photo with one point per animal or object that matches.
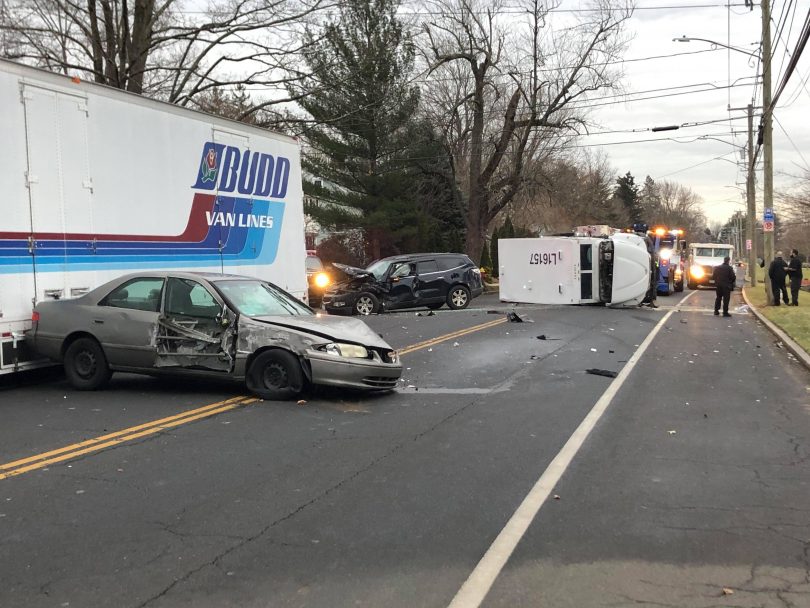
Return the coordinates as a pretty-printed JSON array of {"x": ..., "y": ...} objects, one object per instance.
[
  {"x": 724, "y": 279},
  {"x": 794, "y": 271},
  {"x": 777, "y": 272}
]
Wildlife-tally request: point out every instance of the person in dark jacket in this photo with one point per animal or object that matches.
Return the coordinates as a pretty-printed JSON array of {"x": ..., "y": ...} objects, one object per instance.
[
  {"x": 724, "y": 279},
  {"x": 777, "y": 272},
  {"x": 794, "y": 272}
]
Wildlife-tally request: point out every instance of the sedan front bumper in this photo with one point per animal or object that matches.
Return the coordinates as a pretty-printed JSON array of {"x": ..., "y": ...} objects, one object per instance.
[{"x": 366, "y": 374}]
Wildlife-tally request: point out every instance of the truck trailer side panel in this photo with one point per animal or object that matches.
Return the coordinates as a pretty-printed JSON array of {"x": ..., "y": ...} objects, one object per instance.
[{"x": 101, "y": 182}]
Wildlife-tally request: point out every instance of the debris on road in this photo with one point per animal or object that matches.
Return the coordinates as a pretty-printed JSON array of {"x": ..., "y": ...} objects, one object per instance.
[
  {"x": 602, "y": 372},
  {"x": 727, "y": 591},
  {"x": 556, "y": 497},
  {"x": 593, "y": 350},
  {"x": 672, "y": 432},
  {"x": 302, "y": 402},
  {"x": 429, "y": 313},
  {"x": 514, "y": 317},
  {"x": 455, "y": 344}
]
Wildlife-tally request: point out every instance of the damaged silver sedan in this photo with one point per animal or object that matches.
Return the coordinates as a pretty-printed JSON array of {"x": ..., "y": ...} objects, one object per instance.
[{"x": 211, "y": 325}]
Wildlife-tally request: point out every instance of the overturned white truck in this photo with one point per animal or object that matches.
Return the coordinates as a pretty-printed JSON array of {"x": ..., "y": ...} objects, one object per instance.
[{"x": 613, "y": 268}]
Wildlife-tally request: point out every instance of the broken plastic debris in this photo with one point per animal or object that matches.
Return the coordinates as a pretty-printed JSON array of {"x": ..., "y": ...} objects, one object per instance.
[
  {"x": 455, "y": 343},
  {"x": 302, "y": 402},
  {"x": 727, "y": 591},
  {"x": 601, "y": 372},
  {"x": 556, "y": 497},
  {"x": 672, "y": 432},
  {"x": 593, "y": 350},
  {"x": 513, "y": 317}
]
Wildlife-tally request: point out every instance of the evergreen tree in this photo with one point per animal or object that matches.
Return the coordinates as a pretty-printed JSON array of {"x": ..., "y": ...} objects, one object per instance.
[
  {"x": 626, "y": 193},
  {"x": 359, "y": 94},
  {"x": 508, "y": 230},
  {"x": 486, "y": 259},
  {"x": 493, "y": 250}
]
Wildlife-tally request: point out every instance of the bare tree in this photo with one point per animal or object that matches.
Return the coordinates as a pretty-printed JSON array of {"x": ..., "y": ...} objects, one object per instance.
[
  {"x": 508, "y": 89},
  {"x": 170, "y": 49}
]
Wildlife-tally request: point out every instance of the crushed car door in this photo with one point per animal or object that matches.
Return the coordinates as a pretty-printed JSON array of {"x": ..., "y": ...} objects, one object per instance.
[
  {"x": 196, "y": 330},
  {"x": 125, "y": 320},
  {"x": 401, "y": 285},
  {"x": 429, "y": 282}
]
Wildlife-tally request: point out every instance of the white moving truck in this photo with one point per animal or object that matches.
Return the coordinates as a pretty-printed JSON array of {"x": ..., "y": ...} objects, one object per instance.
[
  {"x": 98, "y": 182},
  {"x": 614, "y": 269},
  {"x": 703, "y": 257}
]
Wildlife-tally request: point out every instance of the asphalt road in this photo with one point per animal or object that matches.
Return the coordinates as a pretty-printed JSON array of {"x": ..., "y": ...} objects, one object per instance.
[{"x": 695, "y": 479}]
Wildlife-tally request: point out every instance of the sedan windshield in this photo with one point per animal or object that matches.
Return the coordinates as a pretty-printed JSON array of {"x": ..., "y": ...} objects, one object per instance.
[
  {"x": 378, "y": 269},
  {"x": 258, "y": 299}
]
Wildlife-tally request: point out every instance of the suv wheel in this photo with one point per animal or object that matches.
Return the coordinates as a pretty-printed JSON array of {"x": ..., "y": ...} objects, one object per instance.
[
  {"x": 366, "y": 304},
  {"x": 458, "y": 297}
]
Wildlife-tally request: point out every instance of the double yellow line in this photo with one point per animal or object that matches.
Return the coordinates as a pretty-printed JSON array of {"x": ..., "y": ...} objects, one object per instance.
[
  {"x": 456, "y": 334},
  {"x": 38, "y": 461},
  {"x": 114, "y": 439}
]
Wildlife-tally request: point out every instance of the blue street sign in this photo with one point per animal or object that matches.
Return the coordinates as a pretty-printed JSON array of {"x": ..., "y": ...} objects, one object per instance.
[{"x": 768, "y": 215}]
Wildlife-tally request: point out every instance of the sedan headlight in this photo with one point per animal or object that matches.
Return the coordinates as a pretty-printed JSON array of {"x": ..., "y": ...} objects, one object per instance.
[
  {"x": 321, "y": 279},
  {"x": 355, "y": 351},
  {"x": 697, "y": 272}
]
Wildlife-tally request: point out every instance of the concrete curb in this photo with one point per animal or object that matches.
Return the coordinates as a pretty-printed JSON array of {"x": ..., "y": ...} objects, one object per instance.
[{"x": 792, "y": 345}]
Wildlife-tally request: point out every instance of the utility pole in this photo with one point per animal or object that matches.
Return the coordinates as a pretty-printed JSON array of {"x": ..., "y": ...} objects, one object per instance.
[
  {"x": 751, "y": 198},
  {"x": 750, "y": 195},
  {"x": 767, "y": 128}
]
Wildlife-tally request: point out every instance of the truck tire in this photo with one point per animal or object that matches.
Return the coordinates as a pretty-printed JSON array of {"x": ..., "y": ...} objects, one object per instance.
[
  {"x": 86, "y": 365},
  {"x": 679, "y": 287},
  {"x": 366, "y": 304},
  {"x": 458, "y": 297},
  {"x": 275, "y": 375}
]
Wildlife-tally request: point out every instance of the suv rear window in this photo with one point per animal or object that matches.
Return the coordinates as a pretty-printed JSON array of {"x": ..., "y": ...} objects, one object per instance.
[
  {"x": 426, "y": 267},
  {"x": 446, "y": 263}
]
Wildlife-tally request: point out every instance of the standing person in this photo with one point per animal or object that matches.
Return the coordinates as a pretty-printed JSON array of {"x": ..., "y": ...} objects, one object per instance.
[
  {"x": 795, "y": 273},
  {"x": 777, "y": 272},
  {"x": 724, "y": 279}
]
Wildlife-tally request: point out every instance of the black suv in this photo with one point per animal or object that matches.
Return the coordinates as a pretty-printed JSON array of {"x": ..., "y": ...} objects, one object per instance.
[{"x": 406, "y": 281}]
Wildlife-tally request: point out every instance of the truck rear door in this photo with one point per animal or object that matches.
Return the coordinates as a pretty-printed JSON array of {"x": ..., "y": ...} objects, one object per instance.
[
  {"x": 544, "y": 270},
  {"x": 60, "y": 189}
]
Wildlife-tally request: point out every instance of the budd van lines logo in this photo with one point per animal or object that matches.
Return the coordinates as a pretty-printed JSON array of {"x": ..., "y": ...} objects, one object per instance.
[{"x": 253, "y": 174}]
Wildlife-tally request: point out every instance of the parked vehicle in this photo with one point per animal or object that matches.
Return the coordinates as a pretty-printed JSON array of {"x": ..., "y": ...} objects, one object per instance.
[
  {"x": 98, "y": 182},
  {"x": 703, "y": 257},
  {"x": 214, "y": 325},
  {"x": 406, "y": 281},
  {"x": 614, "y": 269},
  {"x": 317, "y": 279}
]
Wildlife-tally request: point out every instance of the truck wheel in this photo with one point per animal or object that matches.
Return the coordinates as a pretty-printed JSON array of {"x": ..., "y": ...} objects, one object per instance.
[
  {"x": 679, "y": 287},
  {"x": 275, "y": 375},
  {"x": 366, "y": 304},
  {"x": 85, "y": 365},
  {"x": 458, "y": 297}
]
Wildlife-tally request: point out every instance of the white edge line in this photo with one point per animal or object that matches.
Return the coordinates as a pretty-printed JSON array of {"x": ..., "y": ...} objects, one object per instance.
[{"x": 481, "y": 579}]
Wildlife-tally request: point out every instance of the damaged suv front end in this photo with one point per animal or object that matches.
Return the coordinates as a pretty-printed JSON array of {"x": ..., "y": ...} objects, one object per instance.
[{"x": 210, "y": 325}]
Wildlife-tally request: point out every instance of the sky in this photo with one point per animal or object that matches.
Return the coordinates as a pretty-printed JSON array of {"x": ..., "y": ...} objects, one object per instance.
[{"x": 702, "y": 73}]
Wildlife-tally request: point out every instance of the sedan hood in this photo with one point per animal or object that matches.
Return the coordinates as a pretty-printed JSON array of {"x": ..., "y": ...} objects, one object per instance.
[
  {"x": 337, "y": 329},
  {"x": 352, "y": 271}
]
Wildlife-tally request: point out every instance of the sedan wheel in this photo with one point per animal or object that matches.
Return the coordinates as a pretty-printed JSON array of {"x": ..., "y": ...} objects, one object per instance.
[
  {"x": 366, "y": 304},
  {"x": 85, "y": 365},
  {"x": 459, "y": 297},
  {"x": 276, "y": 375}
]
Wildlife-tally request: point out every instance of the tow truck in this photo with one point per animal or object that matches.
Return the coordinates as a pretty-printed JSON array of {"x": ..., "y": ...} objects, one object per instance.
[{"x": 669, "y": 247}]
